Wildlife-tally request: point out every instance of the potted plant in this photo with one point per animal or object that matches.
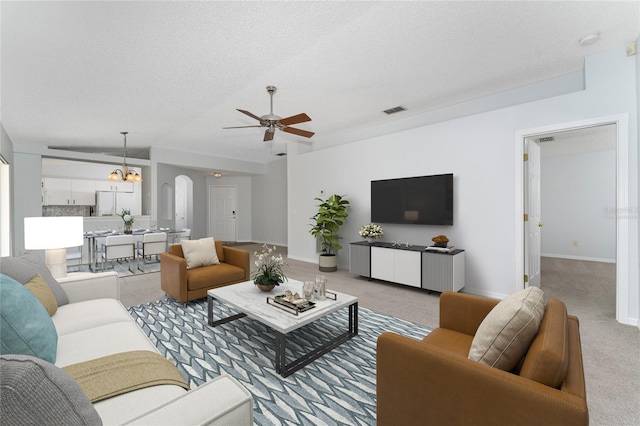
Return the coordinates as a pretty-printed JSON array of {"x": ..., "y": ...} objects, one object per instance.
[
  {"x": 331, "y": 214},
  {"x": 269, "y": 268}
]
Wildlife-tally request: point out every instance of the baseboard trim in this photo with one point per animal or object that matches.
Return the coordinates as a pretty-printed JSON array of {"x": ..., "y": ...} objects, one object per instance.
[
  {"x": 587, "y": 259},
  {"x": 304, "y": 259}
]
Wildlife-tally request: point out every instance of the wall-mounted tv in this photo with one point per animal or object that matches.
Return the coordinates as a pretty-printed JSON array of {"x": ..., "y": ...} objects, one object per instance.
[{"x": 422, "y": 200}]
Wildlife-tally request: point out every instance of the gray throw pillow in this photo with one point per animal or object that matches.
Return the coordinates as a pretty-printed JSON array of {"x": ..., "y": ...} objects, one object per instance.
[
  {"x": 505, "y": 334},
  {"x": 35, "y": 392},
  {"x": 24, "y": 268}
]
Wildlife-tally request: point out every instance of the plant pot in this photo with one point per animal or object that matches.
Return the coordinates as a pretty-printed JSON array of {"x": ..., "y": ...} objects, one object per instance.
[
  {"x": 328, "y": 263},
  {"x": 265, "y": 287}
]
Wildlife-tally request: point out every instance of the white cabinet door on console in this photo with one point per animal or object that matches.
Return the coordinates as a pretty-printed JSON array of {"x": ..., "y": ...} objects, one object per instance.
[
  {"x": 395, "y": 265},
  {"x": 407, "y": 267},
  {"x": 382, "y": 264}
]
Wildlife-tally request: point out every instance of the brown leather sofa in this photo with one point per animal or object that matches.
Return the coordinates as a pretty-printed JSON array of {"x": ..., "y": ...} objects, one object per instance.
[
  {"x": 189, "y": 284},
  {"x": 433, "y": 382}
]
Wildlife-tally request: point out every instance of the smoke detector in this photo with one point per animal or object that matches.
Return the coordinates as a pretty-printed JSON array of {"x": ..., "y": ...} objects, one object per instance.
[{"x": 589, "y": 40}]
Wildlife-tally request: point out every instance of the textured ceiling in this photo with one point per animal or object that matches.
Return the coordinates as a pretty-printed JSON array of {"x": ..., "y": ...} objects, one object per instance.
[{"x": 173, "y": 73}]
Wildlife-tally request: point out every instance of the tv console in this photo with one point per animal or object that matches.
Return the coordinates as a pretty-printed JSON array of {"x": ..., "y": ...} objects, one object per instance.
[{"x": 413, "y": 265}]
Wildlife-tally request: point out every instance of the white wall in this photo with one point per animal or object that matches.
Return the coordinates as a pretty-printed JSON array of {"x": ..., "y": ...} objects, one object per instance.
[
  {"x": 578, "y": 203},
  {"x": 480, "y": 151},
  {"x": 638, "y": 129},
  {"x": 269, "y": 201},
  {"x": 7, "y": 214},
  {"x": 54, "y": 167},
  {"x": 26, "y": 187}
]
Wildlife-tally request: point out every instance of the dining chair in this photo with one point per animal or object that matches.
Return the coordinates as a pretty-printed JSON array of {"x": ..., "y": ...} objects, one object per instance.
[
  {"x": 74, "y": 258},
  {"x": 152, "y": 244},
  {"x": 185, "y": 234},
  {"x": 117, "y": 248}
]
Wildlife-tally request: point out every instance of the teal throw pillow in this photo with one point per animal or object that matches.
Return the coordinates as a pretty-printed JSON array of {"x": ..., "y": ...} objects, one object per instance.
[{"x": 25, "y": 326}]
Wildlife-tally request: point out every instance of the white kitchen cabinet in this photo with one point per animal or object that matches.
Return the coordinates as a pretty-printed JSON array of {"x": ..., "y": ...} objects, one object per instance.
[
  {"x": 57, "y": 191},
  {"x": 107, "y": 185},
  {"x": 63, "y": 192},
  {"x": 83, "y": 192}
]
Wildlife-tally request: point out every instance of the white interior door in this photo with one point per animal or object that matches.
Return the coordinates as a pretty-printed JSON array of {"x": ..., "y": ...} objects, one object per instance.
[
  {"x": 533, "y": 222},
  {"x": 181, "y": 204},
  {"x": 222, "y": 212}
]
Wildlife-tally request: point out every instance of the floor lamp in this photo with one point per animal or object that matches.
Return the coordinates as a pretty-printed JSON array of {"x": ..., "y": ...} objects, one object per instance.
[{"x": 54, "y": 235}]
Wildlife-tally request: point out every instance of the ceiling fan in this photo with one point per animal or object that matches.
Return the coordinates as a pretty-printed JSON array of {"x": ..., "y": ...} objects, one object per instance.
[{"x": 273, "y": 122}]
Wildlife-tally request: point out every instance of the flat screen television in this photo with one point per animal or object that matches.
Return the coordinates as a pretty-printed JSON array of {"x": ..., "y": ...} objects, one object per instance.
[{"x": 422, "y": 200}]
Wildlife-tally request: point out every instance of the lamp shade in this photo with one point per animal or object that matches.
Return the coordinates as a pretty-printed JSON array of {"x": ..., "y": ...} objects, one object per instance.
[{"x": 42, "y": 233}]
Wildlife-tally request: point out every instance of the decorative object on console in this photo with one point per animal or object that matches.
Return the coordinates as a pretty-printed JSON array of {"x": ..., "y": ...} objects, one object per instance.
[
  {"x": 371, "y": 232},
  {"x": 54, "y": 234},
  {"x": 330, "y": 216},
  {"x": 127, "y": 218},
  {"x": 125, "y": 173},
  {"x": 270, "y": 268},
  {"x": 440, "y": 241}
]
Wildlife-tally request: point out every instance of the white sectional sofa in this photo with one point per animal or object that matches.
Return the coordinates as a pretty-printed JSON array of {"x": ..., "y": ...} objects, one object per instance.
[{"x": 95, "y": 324}]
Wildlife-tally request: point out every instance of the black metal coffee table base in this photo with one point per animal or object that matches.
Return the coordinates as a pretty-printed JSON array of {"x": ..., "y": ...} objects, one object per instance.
[{"x": 282, "y": 367}]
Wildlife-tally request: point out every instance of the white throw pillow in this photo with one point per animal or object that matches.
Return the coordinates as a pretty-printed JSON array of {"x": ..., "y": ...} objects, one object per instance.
[
  {"x": 506, "y": 333},
  {"x": 200, "y": 252}
]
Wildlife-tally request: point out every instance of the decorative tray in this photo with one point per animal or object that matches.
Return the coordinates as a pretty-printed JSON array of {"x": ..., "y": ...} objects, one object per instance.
[{"x": 289, "y": 304}]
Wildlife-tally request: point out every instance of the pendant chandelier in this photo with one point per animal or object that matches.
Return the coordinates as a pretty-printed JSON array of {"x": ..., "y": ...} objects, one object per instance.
[{"x": 125, "y": 173}]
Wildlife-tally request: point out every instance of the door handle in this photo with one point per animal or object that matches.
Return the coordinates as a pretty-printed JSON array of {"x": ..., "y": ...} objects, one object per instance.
[{"x": 540, "y": 224}]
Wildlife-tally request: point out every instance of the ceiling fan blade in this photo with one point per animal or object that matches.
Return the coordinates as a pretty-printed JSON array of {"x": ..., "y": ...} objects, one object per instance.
[
  {"x": 239, "y": 127},
  {"x": 251, "y": 115},
  {"x": 295, "y": 119},
  {"x": 268, "y": 135},
  {"x": 298, "y": 132}
]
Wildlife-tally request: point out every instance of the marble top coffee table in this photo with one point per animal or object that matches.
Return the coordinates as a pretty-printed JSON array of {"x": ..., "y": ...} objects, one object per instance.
[{"x": 250, "y": 301}]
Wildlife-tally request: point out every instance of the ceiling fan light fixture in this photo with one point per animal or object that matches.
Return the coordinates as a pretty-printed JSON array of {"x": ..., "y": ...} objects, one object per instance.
[
  {"x": 273, "y": 122},
  {"x": 124, "y": 174}
]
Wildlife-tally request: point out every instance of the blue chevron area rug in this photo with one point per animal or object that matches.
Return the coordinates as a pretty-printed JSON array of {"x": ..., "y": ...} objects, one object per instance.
[{"x": 339, "y": 388}]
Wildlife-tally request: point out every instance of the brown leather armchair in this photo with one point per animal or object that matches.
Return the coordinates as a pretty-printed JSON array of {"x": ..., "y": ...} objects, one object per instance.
[
  {"x": 433, "y": 382},
  {"x": 189, "y": 284}
]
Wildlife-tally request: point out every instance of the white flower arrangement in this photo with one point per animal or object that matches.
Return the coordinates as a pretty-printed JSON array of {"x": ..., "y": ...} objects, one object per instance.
[
  {"x": 270, "y": 268},
  {"x": 126, "y": 216},
  {"x": 371, "y": 231}
]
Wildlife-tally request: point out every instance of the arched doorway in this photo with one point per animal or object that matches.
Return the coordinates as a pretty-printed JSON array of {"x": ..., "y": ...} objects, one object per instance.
[{"x": 183, "y": 202}]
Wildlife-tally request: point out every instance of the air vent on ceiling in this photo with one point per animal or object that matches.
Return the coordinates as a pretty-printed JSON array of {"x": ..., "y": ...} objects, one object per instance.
[
  {"x": 394, "y": 110},
  {"x": 282, "y": 154},
  {"x": 547, "y": 139}
]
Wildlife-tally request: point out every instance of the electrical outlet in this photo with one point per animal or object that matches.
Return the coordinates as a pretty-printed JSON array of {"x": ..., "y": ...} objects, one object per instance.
[{"x": 575, "y": 243}]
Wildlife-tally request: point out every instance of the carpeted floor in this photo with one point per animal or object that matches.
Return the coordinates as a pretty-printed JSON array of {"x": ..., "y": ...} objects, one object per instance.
[{"x": 339, "y": 388}]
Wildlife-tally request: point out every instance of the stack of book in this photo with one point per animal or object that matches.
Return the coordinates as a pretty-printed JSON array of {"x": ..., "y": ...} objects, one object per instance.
[{"x": 447, "y": 249}]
